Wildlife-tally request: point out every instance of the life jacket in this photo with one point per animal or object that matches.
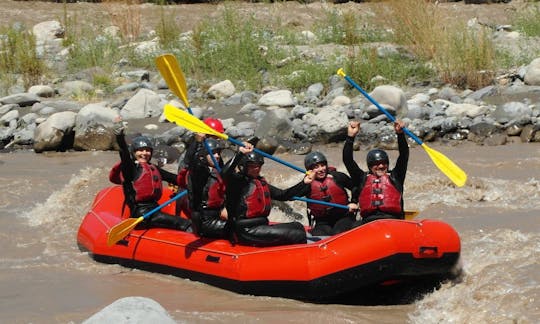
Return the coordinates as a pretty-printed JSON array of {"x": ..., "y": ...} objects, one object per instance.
[
  {"x": 327, "y": 190},
  {"x": 257, "y": 199},
  {"x": 181, "y": 177},
  {"x": 115, "y": 175},
  {"x": 379, "y": 194},
  {"x": 214, "y": 191},
  {"x": 148, "y": 185}
]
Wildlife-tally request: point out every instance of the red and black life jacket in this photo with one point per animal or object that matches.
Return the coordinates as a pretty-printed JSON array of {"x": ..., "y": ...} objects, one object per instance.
[
  {"x": 115, "y": 175},
  {"x": 214, "y": 191},
  {"x": 257, "y": 199},
  {"x": 326, "y": 190},
  {"x": 148, "y": 185},
  {"x": 379, "y": 194},
  {"x": 182, "y": 177}
]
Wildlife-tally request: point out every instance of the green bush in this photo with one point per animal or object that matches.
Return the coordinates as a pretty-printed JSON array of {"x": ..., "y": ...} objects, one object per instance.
[{"x": 18, "y": 57}]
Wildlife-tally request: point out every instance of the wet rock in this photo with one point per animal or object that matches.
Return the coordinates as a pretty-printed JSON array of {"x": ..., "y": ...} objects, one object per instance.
[{"x": 132, "y": 310}]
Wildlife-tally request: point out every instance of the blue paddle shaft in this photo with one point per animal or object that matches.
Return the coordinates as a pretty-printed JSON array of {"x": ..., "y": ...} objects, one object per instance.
[
  {"x": 292, "y": 166},
  {"x": 381, "y": 108},
  {"x": 320, "y": 202},
  {"x": 209, "y": 150},
  {"x": 178, "y": 196}
]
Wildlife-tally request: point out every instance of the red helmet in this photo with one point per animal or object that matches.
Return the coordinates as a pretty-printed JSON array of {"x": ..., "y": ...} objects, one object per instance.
[{"x": 215, "y": 124}]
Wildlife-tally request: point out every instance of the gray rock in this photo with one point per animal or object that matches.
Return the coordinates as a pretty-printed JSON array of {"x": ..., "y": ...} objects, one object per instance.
[
  {"x": 22, "y": 99},
  {"x": 145, "y": 103},
  {"x": 131, "y": 310},
  {"x": 93, "y": 128},
  {"x": 276, "y": 123},
  {"x": 50, "y": 134}
]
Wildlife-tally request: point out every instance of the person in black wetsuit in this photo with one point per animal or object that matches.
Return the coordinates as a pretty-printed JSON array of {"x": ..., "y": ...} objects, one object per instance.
[
  {"x": 195, "y": 145},
  {"x": 142, "y": 181},
  {"x": 249, "y": 201},
  {"x": 328, "y": 185},
  {"x": 206, "y": 190},
  {"x": 379, "y": 190}
]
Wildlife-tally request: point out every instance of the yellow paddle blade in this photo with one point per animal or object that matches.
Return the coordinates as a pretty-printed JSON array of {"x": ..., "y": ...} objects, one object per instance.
[
  {"x": 449, "y": 168},
  {"x": 122, "y": 229},
  {"x": 194, "y": 124},
  {"x": 411, "y": 214},
  {"x": 172, "y": 74}
]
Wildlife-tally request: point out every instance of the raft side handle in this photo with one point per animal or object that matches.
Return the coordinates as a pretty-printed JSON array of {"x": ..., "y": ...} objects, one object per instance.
[
  {"x": 428, "y": 251},
  {"x": 211, "y": 258}
]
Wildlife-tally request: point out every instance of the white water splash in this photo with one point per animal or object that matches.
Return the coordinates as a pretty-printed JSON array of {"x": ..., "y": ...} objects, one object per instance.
[
  {"x": 428, "y": 189},
  {"x": 501, "y": 283},
  {"x": 71, "y": 201}
]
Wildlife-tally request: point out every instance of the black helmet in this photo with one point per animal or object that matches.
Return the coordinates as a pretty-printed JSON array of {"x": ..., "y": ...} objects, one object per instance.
[
  {"x": 213, "y": 145},
  {"x": 314, "y": 158},
  {"x": 376, "y": 155},
  {"x": 141, "y": 141},
  {"x": 252, "y": 157}
]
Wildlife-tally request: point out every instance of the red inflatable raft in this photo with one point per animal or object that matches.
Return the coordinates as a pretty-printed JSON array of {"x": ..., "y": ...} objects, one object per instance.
[{"x": 367, "y": 259}]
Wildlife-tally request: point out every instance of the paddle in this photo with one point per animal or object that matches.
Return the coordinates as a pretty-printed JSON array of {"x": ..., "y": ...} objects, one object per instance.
[
  {"x": 122, "y": 229},
  {"x": 409, "y": 214},
  {"x": 194, "y": 124},
  {"x": 449, "y": 168},
  {"x": 174, "y": 77},
  {"x": 172, "y": 74}
]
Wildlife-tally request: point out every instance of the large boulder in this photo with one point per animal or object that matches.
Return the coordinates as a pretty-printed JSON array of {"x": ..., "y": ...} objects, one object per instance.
[
  {"x": 93, "y": 128},
  {"x": 391, "y": 98},
  {"x": 532, "y": 74},
  {"x": 56, "y": 133}
]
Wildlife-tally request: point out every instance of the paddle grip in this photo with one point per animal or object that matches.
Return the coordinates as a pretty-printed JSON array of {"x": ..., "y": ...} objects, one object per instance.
[{"x": 381, "y": 108}]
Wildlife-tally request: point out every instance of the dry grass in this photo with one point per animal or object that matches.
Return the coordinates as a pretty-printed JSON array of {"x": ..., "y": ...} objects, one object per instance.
[
  {"x": 461, "y": 55},
  {"x": 126, "y": 15}
]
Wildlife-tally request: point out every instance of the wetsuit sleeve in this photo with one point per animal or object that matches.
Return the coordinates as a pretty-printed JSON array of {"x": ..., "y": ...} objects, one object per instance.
[
  {"x": 400, "y": 170},
  {"x": 128, "y": 169},
  {"x": 127, "y": 165},
  {"x": 228, "y": 170},
  {"x": 356, "y": 174},
  {"x": 343, "y": 180},
  {"x": 168, "y": 176},
  {"x": 300, "y": 189},
  {"x": 191, "y": 152}
]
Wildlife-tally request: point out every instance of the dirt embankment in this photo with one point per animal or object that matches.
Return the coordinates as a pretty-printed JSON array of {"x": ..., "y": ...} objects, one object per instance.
[{"x": 186, "y": 16}]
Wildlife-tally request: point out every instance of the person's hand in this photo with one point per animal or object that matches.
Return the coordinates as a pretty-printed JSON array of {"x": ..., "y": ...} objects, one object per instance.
[
  {"x": 398, "y": 126},
  {"x": 199, "y": 137},
  {"x": 308, "y": 178},
  {"x": 354, "y": 128},
  {"x": 247, "y": 148},
  {"x": 224, "y": 215},
  {"x": 352, "y": 207},
  {"x": 118, "y": 126}
]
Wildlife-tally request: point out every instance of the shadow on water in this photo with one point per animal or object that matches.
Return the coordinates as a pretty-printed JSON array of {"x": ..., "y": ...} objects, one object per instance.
[{"x": 402, "y": 293}]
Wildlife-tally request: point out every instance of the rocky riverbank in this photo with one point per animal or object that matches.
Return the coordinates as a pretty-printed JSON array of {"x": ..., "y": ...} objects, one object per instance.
[{"x": 58, "y": 116}]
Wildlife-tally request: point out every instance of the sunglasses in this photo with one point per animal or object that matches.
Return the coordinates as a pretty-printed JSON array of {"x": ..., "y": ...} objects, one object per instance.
[{"x": 379, "y": 162}]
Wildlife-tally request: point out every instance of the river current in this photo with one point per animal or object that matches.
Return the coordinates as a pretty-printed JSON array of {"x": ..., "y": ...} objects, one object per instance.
[{"x": 45, "y": 278}]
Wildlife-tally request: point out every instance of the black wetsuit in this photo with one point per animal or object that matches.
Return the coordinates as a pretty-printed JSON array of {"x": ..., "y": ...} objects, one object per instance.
[
  {"x": 206, "y": 219},
  {"x": 130, "y": 172},
  {"x": 358, "y": 176},
  {"x": 256, "y": 231}
]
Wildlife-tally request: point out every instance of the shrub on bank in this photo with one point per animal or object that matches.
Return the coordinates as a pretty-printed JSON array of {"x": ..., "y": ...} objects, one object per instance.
[{"x": 253, "y": 53}]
